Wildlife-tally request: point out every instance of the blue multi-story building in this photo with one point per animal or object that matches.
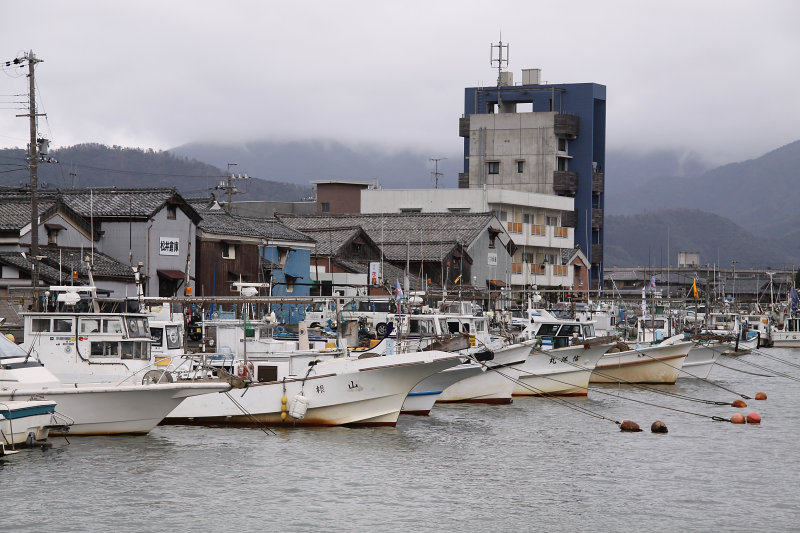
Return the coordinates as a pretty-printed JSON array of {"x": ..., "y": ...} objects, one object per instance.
[{"x": 544, "y": 139}]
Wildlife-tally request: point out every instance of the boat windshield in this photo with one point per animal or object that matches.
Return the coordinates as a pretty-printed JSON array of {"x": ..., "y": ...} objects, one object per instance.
[
  {"x": 8, "y": 349},
  {"x": 548, "y": 330}
]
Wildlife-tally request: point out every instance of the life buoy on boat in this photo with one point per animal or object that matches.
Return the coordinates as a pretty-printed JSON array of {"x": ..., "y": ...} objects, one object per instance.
[{"x": 245, "y": 369}]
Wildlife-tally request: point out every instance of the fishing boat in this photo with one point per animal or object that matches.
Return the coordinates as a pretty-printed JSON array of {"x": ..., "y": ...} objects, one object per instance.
[
  {"x": 660, "y": 363},
  {"x": 561, "y": 371},
  {"x": 493, "y": 364},
  {"x": 297, "y": 389},
  {"x": 90, "y": 408},
  {"x": 25, "y": 422}
]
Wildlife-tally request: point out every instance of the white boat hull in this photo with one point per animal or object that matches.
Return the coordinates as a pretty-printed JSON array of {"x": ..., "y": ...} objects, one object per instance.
[
  {"x": 785, "y": 339},
  {"x": 424, "y": 395},
  {"x": 560, "y": 372},
  {"x": 129, "y": 409},
  {"x": 653, "y": 364},
  {"x": 701, "y": 359},
  {"x": 344, "y": 391},
  {"x": 19, "y": 419},
  {"x": 495, "y": 384}
]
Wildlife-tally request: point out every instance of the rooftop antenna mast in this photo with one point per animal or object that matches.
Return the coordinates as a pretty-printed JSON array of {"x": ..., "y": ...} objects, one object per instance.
[
  {"x": 436, "y": 172},
  {"x": 500, "y": 62}
]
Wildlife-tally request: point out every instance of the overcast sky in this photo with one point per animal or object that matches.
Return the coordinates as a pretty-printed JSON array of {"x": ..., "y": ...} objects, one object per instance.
[{"x": 720, "y": 77}]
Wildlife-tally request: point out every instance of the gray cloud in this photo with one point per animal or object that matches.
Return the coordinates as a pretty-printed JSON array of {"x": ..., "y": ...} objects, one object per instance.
[{"x": 716, "y": 76}]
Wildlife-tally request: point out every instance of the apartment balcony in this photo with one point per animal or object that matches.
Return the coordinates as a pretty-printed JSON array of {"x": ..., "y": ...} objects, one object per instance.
[
  {"x": 567, "y": 126},
  {"x": 598, "y": 183},
  {"x": 569, "y": 219},
  {"x": 597, "y": 218},
  {"x": 463, "y": 126},
  {"x": 565, "y": 182},
  {"x": 597, "y": 254}
]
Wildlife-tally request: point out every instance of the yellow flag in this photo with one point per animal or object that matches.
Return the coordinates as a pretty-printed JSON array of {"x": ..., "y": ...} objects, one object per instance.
[
  {"x": 457, "y": 279},
  {"x": 694, "y": 289}
]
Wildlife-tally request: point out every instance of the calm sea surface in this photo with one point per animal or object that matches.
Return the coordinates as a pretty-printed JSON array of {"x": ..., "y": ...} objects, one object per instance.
[{"x": 533, "y": 465}]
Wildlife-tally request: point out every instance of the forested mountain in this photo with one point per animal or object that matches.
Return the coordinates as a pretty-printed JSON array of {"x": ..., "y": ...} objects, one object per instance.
[
  {"x": 95, "y": 165},
  {"x": 656, "y": 204}
]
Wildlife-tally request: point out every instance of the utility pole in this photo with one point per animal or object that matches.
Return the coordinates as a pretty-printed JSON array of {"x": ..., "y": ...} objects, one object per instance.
[
  {"x": 33, "y": 157},
  {"x": 436, "y": 172}
]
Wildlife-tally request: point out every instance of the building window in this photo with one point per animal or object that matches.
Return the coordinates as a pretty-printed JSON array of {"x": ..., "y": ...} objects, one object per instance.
[
  {"x": 562, "y": 164},
  {"x": 493, "y": 167},
  {"x": 551, "y": 221},
  {"x": 52, "y": 236},
  {"x": 326, "y": 207},
  {"x": 172, "y": 212},
  {"x": 520, "y": 166},
  {"x": 503, "y": 216},
  {"x": 411, "y": 210},
  {"x": 228, "y": 250},
  {"x": 526, "y": 218},
  {"x": 562, "y": 144},
  {"x": 458, "y": 209}
]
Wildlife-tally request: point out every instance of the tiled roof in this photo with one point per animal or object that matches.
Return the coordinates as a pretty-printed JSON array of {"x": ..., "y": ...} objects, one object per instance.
[
  {"x": 73, "y": 259},
  {"x": 15, "y": 213},
  {"x": 400, "y": 228},
  {"x": 58, "y": 263},
  {"x": 106, "y": 202},
  {"x": 418, "y": 251},
  {"x": 220, "y": 222},
  {"x": 330, "y": 241}
]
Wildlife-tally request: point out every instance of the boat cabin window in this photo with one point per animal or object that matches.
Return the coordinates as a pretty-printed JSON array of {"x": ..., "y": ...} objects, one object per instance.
[
  {"x": 657, "y": 324},
  {"x": 135, "y": 350},
  {"x": 480, "y": 326},
  {"x": 89, "y": 325},
  {"x": 40, "y": 325},
  {"x": 58, "y": 325},
  {"x": 112, "y": 325},
  {"x": 62, "y": 325},
  {"x": 568, "y": 330},
  {"x": 547, "y": 330},
  {"x": 173, "y": 337},
  {"x": 157, "y": 334},
  {"x": 421, "y": 327},
  {"x": 588, "y": 330},
  {"x": 104, "y": 349},
  {"x": 137, "y": 327}
]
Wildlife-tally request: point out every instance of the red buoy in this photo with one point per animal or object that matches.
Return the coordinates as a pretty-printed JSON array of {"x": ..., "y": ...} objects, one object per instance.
[
  {"x": 753, "y": 418},
  {"x": 761, "y": 396},
  {"x": 629, "y": 425},
  {"x": 737, "y": 418},
  {"x": 739, "y": 403}
]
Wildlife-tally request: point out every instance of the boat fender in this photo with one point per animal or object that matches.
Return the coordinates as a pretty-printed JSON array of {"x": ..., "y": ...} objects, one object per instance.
[
  {"x": 299, "y": 407},
  {"x": 485, "y": 355},
  {"x": 761, "y": 396}
]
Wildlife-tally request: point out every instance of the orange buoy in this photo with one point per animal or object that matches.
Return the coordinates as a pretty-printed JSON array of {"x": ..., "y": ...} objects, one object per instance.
[
  {"x": 658, "y": 427},
  {"x": 739, "y": 403},
  {"x": 629, "y": 425},
  {"x": 737, "y": 418},
  {"x": 761, "y": 396},
  {"x": 753, "y": 418}
]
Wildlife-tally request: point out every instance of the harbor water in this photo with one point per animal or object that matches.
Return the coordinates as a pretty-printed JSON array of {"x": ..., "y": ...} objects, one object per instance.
[{"x": 536, "y": 464}]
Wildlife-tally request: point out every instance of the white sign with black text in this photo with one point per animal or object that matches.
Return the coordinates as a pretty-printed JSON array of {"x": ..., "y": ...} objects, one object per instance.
[{"x": 169, "y": 246}]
